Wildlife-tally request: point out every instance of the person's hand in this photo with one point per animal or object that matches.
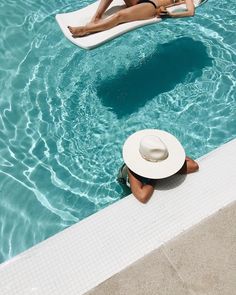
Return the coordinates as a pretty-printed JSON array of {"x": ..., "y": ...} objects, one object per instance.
[{"x": 162, "y": 12}]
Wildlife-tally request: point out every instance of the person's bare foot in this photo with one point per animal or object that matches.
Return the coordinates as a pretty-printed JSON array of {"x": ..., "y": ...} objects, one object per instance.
[{"x": 77, "y": 31}]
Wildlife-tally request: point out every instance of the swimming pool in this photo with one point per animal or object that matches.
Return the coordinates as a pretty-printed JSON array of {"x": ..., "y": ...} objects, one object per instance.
[{"x": 65, "y": 112}]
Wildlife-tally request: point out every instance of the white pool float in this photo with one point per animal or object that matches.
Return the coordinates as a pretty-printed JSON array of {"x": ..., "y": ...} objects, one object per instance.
[{"x": 83, "y": 16}]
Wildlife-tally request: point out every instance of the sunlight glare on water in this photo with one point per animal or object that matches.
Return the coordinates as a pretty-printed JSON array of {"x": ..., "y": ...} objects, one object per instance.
[{"x": 66, "y": 112}]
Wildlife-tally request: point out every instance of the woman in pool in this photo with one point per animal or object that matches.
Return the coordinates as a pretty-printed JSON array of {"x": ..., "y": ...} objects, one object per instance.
[
  {"x": 150, "y": 155},
  {"x": 136, "y": 10}
]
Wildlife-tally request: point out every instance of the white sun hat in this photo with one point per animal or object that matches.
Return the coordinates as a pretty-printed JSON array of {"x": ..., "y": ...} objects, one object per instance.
[{"x": 153, "y": 153}]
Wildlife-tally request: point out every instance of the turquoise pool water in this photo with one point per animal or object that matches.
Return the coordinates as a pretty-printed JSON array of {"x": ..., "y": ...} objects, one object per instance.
[{"x": 65, "y": 112}]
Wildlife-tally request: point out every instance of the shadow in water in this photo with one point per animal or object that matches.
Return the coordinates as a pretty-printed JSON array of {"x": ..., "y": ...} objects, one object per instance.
[{"x": 158, "y": 73}]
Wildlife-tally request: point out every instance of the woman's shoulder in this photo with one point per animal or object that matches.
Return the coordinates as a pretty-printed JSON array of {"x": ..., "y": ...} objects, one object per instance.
[{"x": 142, "y": 179}]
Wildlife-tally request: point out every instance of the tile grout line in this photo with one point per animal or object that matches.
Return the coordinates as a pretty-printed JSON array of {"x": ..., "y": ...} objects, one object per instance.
[
  {"x": 162, "y": 248},
  {"x": 176, "y": 270}
]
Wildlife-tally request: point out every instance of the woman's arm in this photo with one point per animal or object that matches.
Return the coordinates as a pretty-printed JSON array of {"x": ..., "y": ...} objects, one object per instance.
[
  {"x": 142, "y": 192},
  {"x": 175, "y": 4},
  {"x": 103, "y": 5},
  {"x": 189, "y": 12},
  {"x": 162, "y": 12},
  {"x": 190, "y": 166}
]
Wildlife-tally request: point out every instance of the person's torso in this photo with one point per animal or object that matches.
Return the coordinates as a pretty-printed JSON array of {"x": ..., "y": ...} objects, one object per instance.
[{"x": 164, "y": 2}]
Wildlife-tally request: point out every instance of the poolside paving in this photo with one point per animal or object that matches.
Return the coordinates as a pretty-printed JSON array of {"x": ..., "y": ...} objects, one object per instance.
[{"x": 200, "y": 261}]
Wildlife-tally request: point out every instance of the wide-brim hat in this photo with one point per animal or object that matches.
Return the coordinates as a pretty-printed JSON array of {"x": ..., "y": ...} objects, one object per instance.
[{"x": 153, "y": 153}]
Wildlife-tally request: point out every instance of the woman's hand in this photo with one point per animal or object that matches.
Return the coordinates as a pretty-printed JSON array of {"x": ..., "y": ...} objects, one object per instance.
[
  {"x": 190, "y": 10},
  {"x": 162, "y": 12}
]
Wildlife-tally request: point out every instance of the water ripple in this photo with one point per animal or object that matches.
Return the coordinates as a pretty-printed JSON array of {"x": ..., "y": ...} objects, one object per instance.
[{"x": 62, "y": 129}]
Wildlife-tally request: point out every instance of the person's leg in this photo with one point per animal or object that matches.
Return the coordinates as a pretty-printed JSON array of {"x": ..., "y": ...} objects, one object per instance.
[
  {"x": 102, "y": 7},
  {"x": 136, "y": 12},
  {"x": 104, "y": 4},
  {"x": 130, "y": 3}
]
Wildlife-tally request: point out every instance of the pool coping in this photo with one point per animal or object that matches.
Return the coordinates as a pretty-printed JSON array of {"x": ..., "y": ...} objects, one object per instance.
[
  {"x": 200, "y": 261},
  {"x": 79, "y": 258}
]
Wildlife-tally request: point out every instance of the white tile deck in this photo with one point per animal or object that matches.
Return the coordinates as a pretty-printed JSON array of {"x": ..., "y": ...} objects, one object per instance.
[{"x": 86, "y": 254}]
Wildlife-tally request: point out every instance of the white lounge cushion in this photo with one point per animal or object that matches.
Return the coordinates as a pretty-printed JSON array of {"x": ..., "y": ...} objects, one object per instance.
[{"x": 83, "y": 16}]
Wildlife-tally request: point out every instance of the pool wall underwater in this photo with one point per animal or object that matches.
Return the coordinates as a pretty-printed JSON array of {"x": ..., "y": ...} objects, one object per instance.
[{"x": 66, "y": 112}]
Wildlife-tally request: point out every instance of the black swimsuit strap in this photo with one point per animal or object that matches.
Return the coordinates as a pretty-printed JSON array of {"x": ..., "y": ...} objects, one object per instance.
[{"x": 147, "y": 1}]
